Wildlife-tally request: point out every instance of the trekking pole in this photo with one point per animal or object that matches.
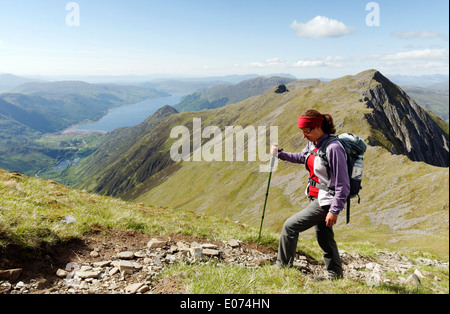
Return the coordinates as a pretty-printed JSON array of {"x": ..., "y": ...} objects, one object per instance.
[{"x": 272, "y": 162}]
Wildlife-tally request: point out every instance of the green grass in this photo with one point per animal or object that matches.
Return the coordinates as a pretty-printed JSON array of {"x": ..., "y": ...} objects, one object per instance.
[
  {"x": 31, "y": 211},
  {"x": 216, "y": 278}
]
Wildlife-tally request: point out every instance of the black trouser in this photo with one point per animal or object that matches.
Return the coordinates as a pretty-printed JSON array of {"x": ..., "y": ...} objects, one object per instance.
[{"x": 312, "y": 215}]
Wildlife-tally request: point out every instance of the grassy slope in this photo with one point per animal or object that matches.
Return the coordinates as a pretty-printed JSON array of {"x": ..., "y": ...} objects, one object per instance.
[{"x": 31, "y": 211}]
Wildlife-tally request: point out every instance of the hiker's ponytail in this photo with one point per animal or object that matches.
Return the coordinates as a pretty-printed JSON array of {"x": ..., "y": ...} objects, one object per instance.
[{"x": 328, "y": 124}]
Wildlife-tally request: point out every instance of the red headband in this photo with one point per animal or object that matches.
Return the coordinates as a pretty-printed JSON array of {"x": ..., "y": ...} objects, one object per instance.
[{"x": 310, "y": 122}]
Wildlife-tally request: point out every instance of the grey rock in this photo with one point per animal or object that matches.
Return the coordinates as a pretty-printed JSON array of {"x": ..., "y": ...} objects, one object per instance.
[
  {"x": 195, "y": 254},
  {"x": 125, "y": 267},
  {"x": 233, "y": 243},
  {"x": 133, "y": 288},
  {"x": 209, "y": 246},
  {"x": 102, "y": 264},
  {"x": 155, "y": 243},
  {"x": 62, "y": 273},
  {"x": 87, "y": 274},
  {"x": 374, "y": 279},
  {"x": 210, "y": 252},
  {"x": 69, "y": 220},
  {"x": 126, "y": 255},
  {"x": 413, "y": 280}
]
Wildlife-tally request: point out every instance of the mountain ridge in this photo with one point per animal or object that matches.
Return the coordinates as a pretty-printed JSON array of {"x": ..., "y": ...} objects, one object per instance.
[
  {"x": 225, "y": 94},
  {"x": 415, "y": 132}
]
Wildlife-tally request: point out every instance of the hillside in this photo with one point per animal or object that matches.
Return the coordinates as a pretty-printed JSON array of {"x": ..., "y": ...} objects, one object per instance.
[
  {"x": 124, "y": 157},
  {"x": 396, "y": 206},
  {"x": 56, "y": 240},
  {"x": 225, "y": 94}
]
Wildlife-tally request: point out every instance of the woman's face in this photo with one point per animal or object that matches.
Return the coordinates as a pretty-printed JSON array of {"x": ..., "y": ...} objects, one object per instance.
[{"x": 312, "y": 134}]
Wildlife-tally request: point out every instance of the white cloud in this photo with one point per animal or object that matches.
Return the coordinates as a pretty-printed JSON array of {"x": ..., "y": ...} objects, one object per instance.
[
  {"x": 416, "y": 34},
  {"x": 325, "y": 62},
  {"x": 426, "y": 54},
  {"x": 320, "y": 27},
  {"x": 309, "y": 63},
  {"x": 278, "y": 63},
  {"x": 412, "y": 62},
  {"x": 269, "y": 63}
]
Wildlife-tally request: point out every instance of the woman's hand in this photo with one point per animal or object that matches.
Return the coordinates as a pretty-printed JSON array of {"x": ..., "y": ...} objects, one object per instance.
[
  {"x": 331, "y": 219},
  {"x": 274, "y": 150}
]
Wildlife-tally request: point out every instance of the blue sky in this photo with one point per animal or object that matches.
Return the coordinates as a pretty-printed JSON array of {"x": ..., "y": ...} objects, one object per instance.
[{"x": 222, "y": 37}]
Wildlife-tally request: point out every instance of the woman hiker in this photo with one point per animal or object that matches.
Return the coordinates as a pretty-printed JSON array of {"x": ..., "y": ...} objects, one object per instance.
[{"x": 324, "y": 208}]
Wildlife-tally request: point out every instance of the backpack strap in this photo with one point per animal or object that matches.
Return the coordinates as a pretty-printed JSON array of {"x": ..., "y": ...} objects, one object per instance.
[
  {"x": 348, "y": 210},
  {"x": 321, "y": 186},
  {"x": 322, "y": 153}
]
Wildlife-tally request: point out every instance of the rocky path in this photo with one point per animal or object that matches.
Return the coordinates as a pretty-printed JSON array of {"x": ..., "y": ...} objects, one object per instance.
[{"x": 101, "y": 266}]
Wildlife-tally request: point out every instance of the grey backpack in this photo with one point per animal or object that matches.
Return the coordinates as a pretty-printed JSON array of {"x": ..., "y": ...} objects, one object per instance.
[{"x": 355, "y": 147}]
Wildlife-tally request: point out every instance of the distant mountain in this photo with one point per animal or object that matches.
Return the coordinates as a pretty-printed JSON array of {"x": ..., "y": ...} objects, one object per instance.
[
  {"x": 440, "y": 86},
  {"x": 427, "y": 81},
  {"x": 9, "y": 81},
  {"x": 435, "y": 100},
  {"x": 225, "y": 94},
  {"x": 118, "y": 95},
  {"x": 183, "y": 87}
]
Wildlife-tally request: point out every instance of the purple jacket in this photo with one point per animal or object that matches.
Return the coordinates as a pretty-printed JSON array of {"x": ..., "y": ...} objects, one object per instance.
[{"x": 339, "y": 172}]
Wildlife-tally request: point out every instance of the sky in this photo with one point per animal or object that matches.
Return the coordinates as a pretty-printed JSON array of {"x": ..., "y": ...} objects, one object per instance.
[{"x": 198, "y": 38}]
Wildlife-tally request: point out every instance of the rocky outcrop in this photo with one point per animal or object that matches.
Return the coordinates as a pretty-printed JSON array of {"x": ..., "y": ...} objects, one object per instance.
[
  {"x": 281, "y": 89},
  {"x": 402, "y": 126}
]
